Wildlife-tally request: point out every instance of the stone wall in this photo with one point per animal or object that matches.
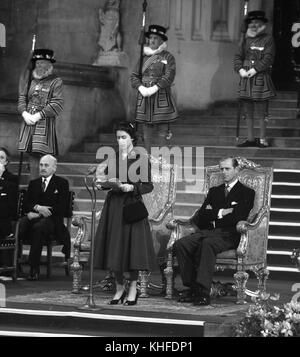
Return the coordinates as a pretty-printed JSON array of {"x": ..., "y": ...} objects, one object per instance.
[
  {"x": 203, "y": 36},
  {"x": 93, "y": 95}
]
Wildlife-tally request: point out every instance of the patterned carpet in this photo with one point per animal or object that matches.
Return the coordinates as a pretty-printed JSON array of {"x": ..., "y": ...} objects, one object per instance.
[{"x": 219, "y": 307}]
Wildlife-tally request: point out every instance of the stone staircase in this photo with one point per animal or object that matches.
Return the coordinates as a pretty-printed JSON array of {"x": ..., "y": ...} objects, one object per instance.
[{"x": 214, "y": 130}]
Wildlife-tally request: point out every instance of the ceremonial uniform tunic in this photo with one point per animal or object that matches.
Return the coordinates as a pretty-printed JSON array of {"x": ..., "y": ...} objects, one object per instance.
[
  {"x": 159, "y": 69},
  {"x": 44, "y": 96},
  {"x": 256, "y": 52}
]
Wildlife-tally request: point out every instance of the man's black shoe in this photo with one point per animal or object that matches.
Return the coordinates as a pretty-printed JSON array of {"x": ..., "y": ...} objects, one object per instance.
[
  {"x": 247, "y": 143},
  {"x": 33, "y": 275},
  {"x": 201, "y": 300},
  {"x": 262, "y": 143},
  {"x": 186, "y": 296}
]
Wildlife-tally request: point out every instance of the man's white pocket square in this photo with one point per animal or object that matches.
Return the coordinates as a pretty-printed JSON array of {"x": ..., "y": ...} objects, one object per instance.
[
  {"x": 164, "y": 61},
  {"x": 3, "y": 194},
  {"x": 56, "y": 191},
  {"x": 233, "y": 203}
]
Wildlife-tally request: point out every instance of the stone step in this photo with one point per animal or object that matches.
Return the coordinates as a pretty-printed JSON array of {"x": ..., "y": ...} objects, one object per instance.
[
  {"x": 291, "y": 95},
  {"x": 223, "y": 120},
  {"x": 188, "y": 208},
  {"x": 223, "y": 150},
  {"x": 287, "y": 176},
  {"x": 289, "y": 101},
  {"x": 283, "y": 243},
  {"x": 198, "y": 140},
  {"x": 273, "y": 112},
  {"x": 279, "y": 258},
  {"x": 256, "y": 155},
  {"x": 80, "y": 170},
  {"x": 286, "y": 190},
  {"x": 191, "y": 194},
  {"x": 8, "y": 107},
  {"x": 283, "y": 230},
  {"x": 284, "y": 201},
  {"x": 285, "y": 216},
  {"x": 283, "y": 103},
  {"x": 193, "y": 132}
]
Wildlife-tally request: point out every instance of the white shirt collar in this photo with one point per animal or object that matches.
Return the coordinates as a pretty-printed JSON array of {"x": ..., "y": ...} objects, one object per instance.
[
  {"x": 47, "y": 180},
  {"x": 231, "y": 184}
]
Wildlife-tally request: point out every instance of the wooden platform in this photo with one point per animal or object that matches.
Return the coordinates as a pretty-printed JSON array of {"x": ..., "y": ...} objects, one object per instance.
[{"x": 47, "y": 307}]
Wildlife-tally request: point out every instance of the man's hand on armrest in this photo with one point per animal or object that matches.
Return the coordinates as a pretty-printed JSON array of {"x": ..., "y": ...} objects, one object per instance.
[
  {"x": 43, "y": 210},
  {"x": 32, "y": 215},
  {"x": 224, "y": 212}
]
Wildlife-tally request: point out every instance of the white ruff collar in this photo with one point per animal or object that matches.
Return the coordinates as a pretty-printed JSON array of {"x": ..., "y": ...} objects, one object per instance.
[
  {"x": 252, "y": 34},
  {"x": 46, "y": 74},
  {"x": 149, "y": 52}
]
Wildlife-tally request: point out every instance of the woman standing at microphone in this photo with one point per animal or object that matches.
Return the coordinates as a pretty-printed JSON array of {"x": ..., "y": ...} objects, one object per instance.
[{"x": 121, "y": 246}]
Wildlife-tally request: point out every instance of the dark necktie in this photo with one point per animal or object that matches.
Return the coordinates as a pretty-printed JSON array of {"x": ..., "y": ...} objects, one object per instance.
[
  {"x": 43, "y": 184},
  {"x": 226, "y": 190}
]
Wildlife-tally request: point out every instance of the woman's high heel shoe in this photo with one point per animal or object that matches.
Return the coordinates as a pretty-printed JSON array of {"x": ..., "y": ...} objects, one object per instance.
[
  {"x": 116, "y": 301},
  {"x": 130, "y": 303}
]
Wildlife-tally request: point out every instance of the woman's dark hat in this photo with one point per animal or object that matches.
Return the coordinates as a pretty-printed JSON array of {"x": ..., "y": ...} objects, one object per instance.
[
  {"x": 256, "y": 15},
  {"x": 157, "y": 30},
  {"x": 128, "y": 126},
  {"x": 43, "y": 54}
]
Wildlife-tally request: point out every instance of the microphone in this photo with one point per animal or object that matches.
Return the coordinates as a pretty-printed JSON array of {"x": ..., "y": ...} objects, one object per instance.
[{"x": 91, "y": 170}]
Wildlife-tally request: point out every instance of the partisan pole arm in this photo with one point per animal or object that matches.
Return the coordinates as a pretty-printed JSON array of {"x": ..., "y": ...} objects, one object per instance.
[
  {"x": 142, "y": 37},
  {"x": 240, "y": 106},
  {"x": 24, "y": 85},
  {"x": 25, "y": 77}
]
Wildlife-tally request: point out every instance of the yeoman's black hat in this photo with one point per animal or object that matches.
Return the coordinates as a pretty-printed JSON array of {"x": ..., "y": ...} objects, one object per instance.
[
  {"x": 157, "y": 30},
  {"x": 256, "y": 15},
  {"x": 43, "y": 54}
]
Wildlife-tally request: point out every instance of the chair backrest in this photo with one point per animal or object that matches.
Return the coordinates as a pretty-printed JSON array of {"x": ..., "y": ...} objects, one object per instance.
[
  {"x": 164, "y": 191},
  {"x": 252, "y": 175},
  {"x": 69, "y": 209},
  {"x": 20, "y": 206}
]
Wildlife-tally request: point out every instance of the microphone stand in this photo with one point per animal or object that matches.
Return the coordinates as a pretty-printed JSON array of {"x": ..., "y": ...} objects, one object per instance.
[
  {"x": 141, "y": 43},
  {"x": 25, "y": 75},
  {"x": 90, "y": 304}
]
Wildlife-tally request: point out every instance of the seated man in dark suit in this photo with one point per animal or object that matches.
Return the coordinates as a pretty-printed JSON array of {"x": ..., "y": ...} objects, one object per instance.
[
  {"x": 216, "y": 220},
  {"x": 8, "y": 202},
  {"x": 45, "y": 204}
]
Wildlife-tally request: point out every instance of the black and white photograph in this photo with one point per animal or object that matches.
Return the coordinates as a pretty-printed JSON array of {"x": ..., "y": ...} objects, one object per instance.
[{"x": 149, "y": 172}]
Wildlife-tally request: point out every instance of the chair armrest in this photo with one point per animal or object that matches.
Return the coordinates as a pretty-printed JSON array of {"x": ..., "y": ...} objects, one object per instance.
[
  {"x": 80, "y": 222},
  {"x": 247, "y": 230},
  {"x": 179, "y": 228},
  {"x": 83, "y": 223},
  {"x": 162, "y": 214}
]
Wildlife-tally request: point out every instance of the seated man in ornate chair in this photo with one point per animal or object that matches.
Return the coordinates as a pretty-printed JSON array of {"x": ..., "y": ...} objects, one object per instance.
[
  {"x": 249, "y": 252},
  {"x": 224, "y": 206},
  {"x": 45, "y": 204}
]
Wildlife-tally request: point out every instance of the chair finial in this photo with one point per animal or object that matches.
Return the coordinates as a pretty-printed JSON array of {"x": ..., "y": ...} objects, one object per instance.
[{"x": 245, "y": 163}]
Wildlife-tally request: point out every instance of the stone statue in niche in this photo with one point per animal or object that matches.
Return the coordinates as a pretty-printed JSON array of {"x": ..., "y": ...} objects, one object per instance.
[{"x": 110, "y": 40}]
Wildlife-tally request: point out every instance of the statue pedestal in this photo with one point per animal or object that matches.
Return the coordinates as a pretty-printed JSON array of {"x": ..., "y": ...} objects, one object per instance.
[{"x": 113, "y": 58}]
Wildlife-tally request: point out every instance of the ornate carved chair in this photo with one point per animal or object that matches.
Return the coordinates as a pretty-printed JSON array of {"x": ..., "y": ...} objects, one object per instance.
[
  {"x": 251, "y": 252},
  {"x": 52, "y": 242},
  {"x": 160, "y": 205},
  {"x": 11, "y": 243}
]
